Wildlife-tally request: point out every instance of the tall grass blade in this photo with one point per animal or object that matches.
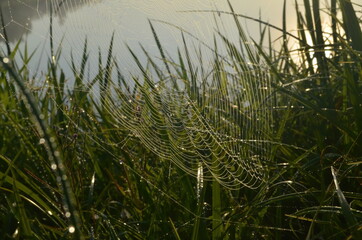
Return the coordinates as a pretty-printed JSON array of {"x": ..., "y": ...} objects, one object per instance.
[
  {"x": 346, "y": 210},
  {"x": 217, "y": 228},
  {"x": 107, "y": 72},
  {"x": 177, "y": 236},
  {"x": 193, "y": 77},
  {"x": 51, "y": 147},
  {"x": 319, "y": 44},
  {"x": 199, "y": 228},
  {"x": 5, "y": 34},
  {"x": 351, "y": 24},
  {"x": 19, "y": 206},
  {"x": 217, "y": 224},
  {"x": 309, "y": 19}
]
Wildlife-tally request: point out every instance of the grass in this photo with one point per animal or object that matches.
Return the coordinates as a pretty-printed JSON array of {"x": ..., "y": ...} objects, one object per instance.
[{"x": 73, "y": 166}]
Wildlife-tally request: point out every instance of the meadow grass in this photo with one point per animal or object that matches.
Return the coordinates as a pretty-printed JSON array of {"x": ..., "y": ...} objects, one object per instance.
[{"x": 71, "y": 169}]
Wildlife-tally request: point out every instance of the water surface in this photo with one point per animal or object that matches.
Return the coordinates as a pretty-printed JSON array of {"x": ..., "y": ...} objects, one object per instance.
[{"x": 73, "y": 21}]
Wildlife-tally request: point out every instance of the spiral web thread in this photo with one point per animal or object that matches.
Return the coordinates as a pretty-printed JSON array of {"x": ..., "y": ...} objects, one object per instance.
[
  {"x": 221, "y": 124},
  {"x": 225, "y": 128}
]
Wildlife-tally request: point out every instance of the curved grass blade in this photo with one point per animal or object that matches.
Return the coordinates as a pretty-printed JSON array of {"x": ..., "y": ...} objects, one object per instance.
[{"x": 346, "y": 210}]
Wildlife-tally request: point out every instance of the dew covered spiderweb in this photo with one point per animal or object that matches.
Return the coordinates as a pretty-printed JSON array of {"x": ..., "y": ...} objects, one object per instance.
[
  {"x": 202, "y": 102},
  {"x": 224, "y": 128}
]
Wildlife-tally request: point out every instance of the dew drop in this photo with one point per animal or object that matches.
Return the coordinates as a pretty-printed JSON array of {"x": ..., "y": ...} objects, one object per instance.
[
  {"x": 93, "y": 179},
  {"x": 6, "y": 60},
  {"x": 68, "y": 214},
  {"x": 41, "y": 141},
  {"x": 71, "y": 229},
  {"x": 15, "y": 234}
]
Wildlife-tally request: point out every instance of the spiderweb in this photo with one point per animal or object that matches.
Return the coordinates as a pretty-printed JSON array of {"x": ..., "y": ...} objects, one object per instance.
[
  {"x": 215, "y": 119},
  {"x": 225, "y": 129}
]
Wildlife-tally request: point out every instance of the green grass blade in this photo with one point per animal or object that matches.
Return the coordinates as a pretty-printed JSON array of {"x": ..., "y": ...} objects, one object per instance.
[
  {"x": 5, "y": 34},
  {"x": 351, "y": 24},
  {"x": 50, "y": 146},
  {"x": 177, "y": 236},
  {"x": 192, "y": 81},
  {"x": 159, "y": 46},
  {"x": 107, "y": 72},
  {"x": 25, "y": 229},
  {"x": 346, "y": 210},
  {"x": 309, "y": 19},
  {"x": 319, "y": 46},
  {"x": 217, "y": 228}
]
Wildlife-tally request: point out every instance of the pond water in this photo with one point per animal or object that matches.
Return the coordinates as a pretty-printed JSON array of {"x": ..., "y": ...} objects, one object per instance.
[{"x": 74, "y": 21}]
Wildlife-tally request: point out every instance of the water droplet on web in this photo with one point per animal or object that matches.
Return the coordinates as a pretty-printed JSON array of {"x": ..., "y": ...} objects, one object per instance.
[
  {"x": 41, "y": 141},
  {"x": 54, "y": 166},
  {"x": 71, "y": 229},
  {"x": 93, "y": 179},
  {"x": 6, "y": 60},
  {"x": 15, "y": 233},
  {"x": 68, "y": 214}
]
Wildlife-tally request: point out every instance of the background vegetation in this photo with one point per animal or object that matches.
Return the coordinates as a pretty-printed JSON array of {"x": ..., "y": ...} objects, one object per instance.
[{"x": 69, "y": 169}]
